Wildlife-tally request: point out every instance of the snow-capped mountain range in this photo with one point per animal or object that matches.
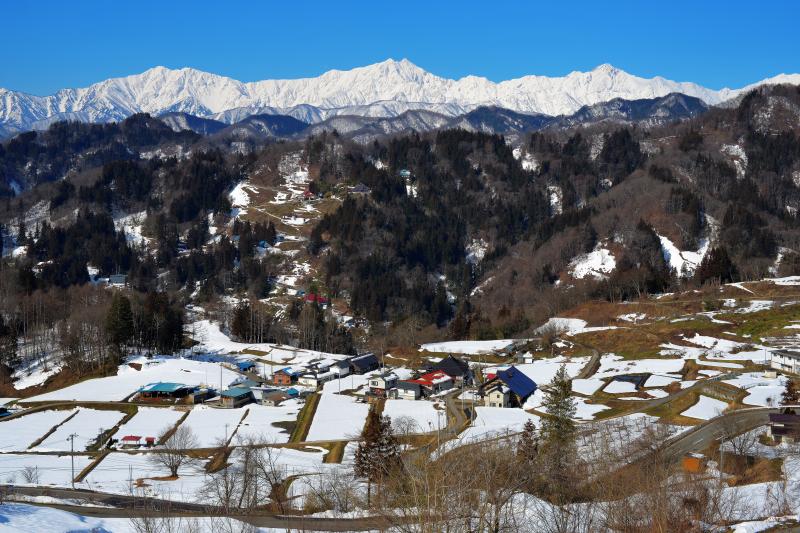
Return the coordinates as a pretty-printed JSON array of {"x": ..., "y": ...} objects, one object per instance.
[{"x": 384, "y": 89}]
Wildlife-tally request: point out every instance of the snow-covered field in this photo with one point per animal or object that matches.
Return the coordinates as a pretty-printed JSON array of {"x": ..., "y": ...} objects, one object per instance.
[
  {"x": 424, "y": 414},
  {"x": 19, "y": 433},
  {"x": 761, "y": 390},
  {"x": 468, "y": 347},
  {"x": 53, "y": 470},
  {"x": 150, "y": 422},
  {"x": 338, "y": 417},
  {"x": 258, "y": 424},
  {"x": 114, "y": 473},
  {"x": 706, "y": 408},
  {"x": 87, "y": 425},
  {"x": 209, "y": 423},
  {"x": 492, "y": 421},
  {"x": 542, "y": 371},
  {"x": 128, "y": 380},
  {"x": 619, "y": 387}
]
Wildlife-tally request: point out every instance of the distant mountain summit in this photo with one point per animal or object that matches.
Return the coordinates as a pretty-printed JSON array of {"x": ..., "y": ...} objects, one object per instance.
[{"x": 385, "y": 89}]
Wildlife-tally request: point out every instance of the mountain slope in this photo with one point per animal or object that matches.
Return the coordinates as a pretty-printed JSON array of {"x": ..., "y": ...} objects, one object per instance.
[{"x": 383, "y": 89}]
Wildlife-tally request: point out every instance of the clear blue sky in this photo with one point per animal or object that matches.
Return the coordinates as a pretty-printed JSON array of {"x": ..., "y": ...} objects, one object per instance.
[{"x": 48, "y": 45}]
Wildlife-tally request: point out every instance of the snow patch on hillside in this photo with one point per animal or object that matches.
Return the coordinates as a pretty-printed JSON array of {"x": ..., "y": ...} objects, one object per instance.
[
  {"x": 597, "y": 264},
  {"x": 738, "y": 156},
  {"x": 683, "y": 262},
  {"x": 556, "y": 196}
]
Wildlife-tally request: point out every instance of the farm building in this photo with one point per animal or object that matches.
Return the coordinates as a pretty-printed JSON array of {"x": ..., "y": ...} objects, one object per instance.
[
  {"x": 432, "y": 382},
  {"x": 236, "y": 397},
  {"x": 455, "y": 368},
  {"x": 284, "y": 376},
  {"x": 164, "y": 391}
]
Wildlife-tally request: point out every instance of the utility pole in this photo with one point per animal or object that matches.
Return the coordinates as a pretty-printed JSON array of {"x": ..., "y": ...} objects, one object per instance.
[{"x": 71, "y": 439}]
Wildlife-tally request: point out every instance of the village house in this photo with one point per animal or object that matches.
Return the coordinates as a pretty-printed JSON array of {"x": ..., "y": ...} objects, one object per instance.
[
  {"x": 432, "y": 382},
  {"x": 510, "y": 382},
  {"x": 786, "y": 360},
  {"x": 497, "y": 395},
  {"x": 364, "y": 363},
  {"x": 274, "y": 398},
  {"x": 284, "y": 377},
  {"x": 455, "y": 368},
  {"x": 380, "y": 385},
  {"x": 784, "y": 427},
  {"x": 406, "y": 390},
  {"x": 236, "y": 397},
  {"x": 313, "y": 379}
]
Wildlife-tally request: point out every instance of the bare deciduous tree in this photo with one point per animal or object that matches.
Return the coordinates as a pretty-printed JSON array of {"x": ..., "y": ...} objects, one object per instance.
[{"x": 175, "y": 451}]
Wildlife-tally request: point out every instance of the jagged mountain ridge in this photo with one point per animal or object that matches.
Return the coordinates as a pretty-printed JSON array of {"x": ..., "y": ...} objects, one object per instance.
[{"x": 383, "y": 89}]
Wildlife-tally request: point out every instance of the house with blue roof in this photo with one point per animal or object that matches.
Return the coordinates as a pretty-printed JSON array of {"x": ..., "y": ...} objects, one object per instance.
[
  {"x": 164, "y": 390},
  {"x": 236, "y": 397},
  {"x": 507, "y": 388}
]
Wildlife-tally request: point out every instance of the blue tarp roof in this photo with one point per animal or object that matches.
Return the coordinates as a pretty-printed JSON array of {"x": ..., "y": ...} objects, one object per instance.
[
  {"x": 235, "y": 392},
  {"x": 519, "y": 383},
  {"x": 163, "y": 386},
  {"x": 245, "y": 364}
]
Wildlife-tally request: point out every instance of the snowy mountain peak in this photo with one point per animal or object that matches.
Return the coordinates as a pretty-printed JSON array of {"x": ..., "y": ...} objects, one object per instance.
[{"x": 386, "y": 89}]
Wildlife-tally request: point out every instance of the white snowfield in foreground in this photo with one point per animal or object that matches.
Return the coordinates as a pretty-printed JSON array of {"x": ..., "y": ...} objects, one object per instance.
[
  {"x": 150, "y": 422},
  {"x": 53, "y": 470},
  {"x": 706, "y": 408},
  {"x": 128, "y": 380}
]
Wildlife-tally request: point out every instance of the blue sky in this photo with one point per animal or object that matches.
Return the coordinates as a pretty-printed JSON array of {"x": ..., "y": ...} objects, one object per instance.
[{"x": 54, "y": 44}]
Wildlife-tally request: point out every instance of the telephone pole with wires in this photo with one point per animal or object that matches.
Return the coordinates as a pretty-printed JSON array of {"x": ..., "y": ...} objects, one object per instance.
[{"x": 71, "y": 440}]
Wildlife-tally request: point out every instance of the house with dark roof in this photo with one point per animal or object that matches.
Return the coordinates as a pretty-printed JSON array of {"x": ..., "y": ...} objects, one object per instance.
[
  {"x": 364, "y": 363},
  {"x": 784, "y": 427},
  {"x": 236, "y": 397},
  {"x": 509, "y": 387},
  {"x": 380, "y": 385},
  {"x": 406, "y": 390},
  {"x": 360, "y": 188},
  {"x": 454, "y": 367}
]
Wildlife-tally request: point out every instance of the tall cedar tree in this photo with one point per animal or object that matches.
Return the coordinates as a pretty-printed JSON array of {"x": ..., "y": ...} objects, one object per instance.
[
  {"x": 791, "y": 396},
  {"x": 378, "y": 453},
  {"x": 119, "y": 322},
  {"x": 558, "y": 433},
  {"x": 8, "y": 344}
]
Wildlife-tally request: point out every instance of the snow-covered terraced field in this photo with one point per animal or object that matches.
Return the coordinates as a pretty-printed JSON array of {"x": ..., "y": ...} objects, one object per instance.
[
  {"x": 53, "y": 470},
  {"x": 150, "y": 422},
  {"x": 18, "y": 434},
  {"x": 338, "y": 417},
  {"x": 259, "y": 426},
  {"x": 87, "y": 425},
  {"x": 209, "y": 424}
]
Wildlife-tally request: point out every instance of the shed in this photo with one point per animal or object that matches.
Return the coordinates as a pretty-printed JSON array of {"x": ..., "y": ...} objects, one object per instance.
[
  {"x": 236, "y": 397},
  {"x": 364, "y": 363},
  {"x": 163, "y": 390},
  {"x": 245, "y": 366}
]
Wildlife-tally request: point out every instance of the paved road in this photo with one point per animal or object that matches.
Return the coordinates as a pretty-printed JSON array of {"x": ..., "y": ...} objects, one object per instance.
[{"x": 123, "y": 507}]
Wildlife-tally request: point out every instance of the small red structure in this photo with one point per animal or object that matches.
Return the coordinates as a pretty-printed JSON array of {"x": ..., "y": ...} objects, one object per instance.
[
  {"x": 317, "y": 298},
  {"x": 308, "y": 195},
  {"x": 150, "y": 441}
]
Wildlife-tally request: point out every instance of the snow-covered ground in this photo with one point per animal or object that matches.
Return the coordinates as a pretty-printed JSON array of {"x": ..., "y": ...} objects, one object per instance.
[
  {"x": 587, "y": 411},
  {"x": 338, "y": 417},
  {"x": 587, "y": 386},
  {"x": 425, "y": 416},
  {"x": 87, "y": 425},
  {"x": 18, "y": 434},
  {"x": 493, "y": 421},
  {"x": 619, "y": 387},
  {"x": 211, "y": 425},
  {"x": 50, "y": 469},
  {"x": 128, "y": 380},
  {"x": 542, "y": 371},
  {"x": 597, "y": 264},
  {"x": 761, "y": 390},
  {"x": 468, "y": 347},
  {"x": 683, "y": 263},
  {"x": 150, "y": 422},
  {"x": 259, "y": 423},
  {"x": 706, "y": 408},
  {"x": 611, "y": 365}
]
